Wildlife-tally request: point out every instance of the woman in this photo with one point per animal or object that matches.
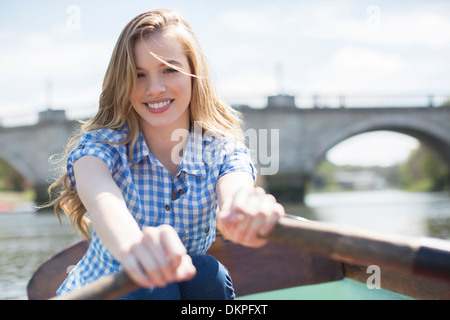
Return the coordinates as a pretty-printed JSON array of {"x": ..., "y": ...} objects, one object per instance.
[{"x": 152, "y": 182}]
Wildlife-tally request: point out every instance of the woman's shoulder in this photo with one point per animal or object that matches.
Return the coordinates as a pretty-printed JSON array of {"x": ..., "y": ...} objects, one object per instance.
[
  {"x": 102, "y": 143},
  {"x": 105, "y": 135}
]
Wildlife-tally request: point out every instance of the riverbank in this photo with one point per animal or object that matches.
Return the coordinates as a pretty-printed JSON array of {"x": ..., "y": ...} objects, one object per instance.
[{"x": 11, "y": 201}]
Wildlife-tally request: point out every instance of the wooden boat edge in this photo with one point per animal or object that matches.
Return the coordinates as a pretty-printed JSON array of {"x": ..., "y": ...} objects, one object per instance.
[
  {"x": 273, "y": 267},
  {"x": 50, "y": 274}
]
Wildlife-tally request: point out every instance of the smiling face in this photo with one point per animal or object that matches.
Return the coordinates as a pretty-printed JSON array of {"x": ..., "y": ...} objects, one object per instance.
[{"x": 163, "y": 91}]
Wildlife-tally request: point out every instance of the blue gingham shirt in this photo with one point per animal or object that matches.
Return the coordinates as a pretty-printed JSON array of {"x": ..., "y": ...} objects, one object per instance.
[{"x": 147, "y": 186}]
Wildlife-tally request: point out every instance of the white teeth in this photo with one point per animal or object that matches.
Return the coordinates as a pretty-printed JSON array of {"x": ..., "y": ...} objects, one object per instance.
[{"x": 158, "y": 105}]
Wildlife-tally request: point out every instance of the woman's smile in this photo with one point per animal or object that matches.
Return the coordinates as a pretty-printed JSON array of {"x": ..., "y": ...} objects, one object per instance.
[{"x": 159, "y": 107}]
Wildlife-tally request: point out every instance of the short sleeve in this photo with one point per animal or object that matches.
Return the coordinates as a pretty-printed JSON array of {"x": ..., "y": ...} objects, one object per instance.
[
  {"x": 237, "y": 159},
  {"x": 91, "y": 145}
]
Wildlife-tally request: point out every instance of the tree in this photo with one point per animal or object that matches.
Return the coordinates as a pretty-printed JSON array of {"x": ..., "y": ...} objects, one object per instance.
[
  {"x": 424, "y": 171},
  {"x": 10, "y": 179}
]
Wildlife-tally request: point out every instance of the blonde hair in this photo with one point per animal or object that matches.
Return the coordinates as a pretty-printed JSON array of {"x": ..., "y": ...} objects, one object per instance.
[{"x": 115, "y": 108}]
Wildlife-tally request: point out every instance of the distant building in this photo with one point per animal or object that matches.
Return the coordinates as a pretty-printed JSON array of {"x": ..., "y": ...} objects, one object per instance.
[{"x": 360, "y": 180}]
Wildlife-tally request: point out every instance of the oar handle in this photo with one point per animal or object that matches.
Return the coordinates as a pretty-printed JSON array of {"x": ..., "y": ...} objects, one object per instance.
[
  {"x": 108, "y": 287},
  {"x": 424, "y": 256},
  {"x": 353, "y": 245}
]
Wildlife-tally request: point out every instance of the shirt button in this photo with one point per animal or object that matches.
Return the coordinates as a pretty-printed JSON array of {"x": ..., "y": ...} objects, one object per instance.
[
  {"x": 206, "y": 229},
  {"x": 181, "y": 192},
  {"x": 167, "y": 207}
]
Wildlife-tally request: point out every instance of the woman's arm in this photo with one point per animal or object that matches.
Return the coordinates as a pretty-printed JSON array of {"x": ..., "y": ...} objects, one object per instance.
[
  {"x": 245, "y": 212},
  {"x": 152, "y": 257}
]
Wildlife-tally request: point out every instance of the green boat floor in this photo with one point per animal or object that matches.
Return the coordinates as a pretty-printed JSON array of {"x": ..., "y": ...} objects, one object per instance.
[{"x": 345, "y": 289}]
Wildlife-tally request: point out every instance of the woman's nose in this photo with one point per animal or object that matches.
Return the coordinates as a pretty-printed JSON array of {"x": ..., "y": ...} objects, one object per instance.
[{"x": 155, "y": 86}]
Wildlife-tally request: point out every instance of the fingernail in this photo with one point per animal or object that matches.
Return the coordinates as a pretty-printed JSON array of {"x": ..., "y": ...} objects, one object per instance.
[{"x": 265, "y": 231}]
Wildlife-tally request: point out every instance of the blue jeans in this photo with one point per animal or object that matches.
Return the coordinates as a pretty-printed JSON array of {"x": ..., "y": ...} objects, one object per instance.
[{"x": 211, "y": 282}]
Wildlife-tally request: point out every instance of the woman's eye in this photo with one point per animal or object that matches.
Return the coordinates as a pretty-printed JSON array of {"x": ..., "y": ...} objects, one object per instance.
[
  {"x": 140, "y": 75},
  {"x": 170, "y": 70}
]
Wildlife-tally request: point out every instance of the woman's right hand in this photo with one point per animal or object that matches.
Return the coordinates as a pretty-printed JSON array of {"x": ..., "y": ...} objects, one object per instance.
[
  {"x": 157, "y": 258},
  {"x": 151, "y": 257}
]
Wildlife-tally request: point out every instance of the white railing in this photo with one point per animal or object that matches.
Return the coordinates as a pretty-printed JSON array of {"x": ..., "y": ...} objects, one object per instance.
[{"x": 352, "y": 101}]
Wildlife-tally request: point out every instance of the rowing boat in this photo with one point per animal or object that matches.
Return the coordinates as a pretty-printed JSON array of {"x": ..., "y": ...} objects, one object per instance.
[{"x": 305, "y": 264}]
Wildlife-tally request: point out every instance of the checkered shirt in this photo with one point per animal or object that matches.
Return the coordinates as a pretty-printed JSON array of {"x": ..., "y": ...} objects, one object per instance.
[{"x": 146, "y": 186}]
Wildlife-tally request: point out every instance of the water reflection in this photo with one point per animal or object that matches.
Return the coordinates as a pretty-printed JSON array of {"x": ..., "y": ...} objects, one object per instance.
[
  {"x": 26, "y": 241},
  {"x": 393, "y": 211}
]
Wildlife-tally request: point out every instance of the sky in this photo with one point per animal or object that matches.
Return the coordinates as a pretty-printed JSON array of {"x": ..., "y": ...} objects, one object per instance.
[{"x": 55, "y": 53}]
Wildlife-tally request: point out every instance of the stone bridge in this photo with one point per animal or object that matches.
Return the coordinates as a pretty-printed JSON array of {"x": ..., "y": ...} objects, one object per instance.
[
  {"x": 29, "y": 148},
  {"x": 305, "y": 135},
  {"x": 287, "y": 142}
]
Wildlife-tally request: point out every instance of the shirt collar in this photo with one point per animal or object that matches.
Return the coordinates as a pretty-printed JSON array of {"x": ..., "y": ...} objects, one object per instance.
[
  {"x": 141, "y": 150},
  {"x": 192, "y": 161}
]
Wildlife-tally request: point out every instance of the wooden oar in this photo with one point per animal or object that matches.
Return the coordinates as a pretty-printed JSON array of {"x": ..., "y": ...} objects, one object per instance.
[{"x": 422, "y": 256}]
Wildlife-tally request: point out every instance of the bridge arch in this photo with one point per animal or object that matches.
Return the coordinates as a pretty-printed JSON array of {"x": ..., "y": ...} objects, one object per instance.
[
  {"x": 28, "y": 149},
  {"x": 12, "y": 157},
  {"x": 307, "y": 134},
  {"x": 14, "y": 179},
  {"x": 424, "y": 130}
]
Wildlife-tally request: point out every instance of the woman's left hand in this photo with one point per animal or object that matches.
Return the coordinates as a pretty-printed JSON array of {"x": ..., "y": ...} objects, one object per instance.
[{"x": 249, "y": 214}]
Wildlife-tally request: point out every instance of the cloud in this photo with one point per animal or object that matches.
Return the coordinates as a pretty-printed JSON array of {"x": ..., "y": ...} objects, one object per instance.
[
  {"x": 75, "y": 68},
  {"x": 248, "y": 84},
  {"x": 327, "y": 46},
  {"x": 353, "y": 69},
  {"x": 39, "y": 53},
  {"x": 423, "y": 26},
  {"x": 415, "y": 28},
  {"x": 344, "y": 46},
  {"x": 241, "y": 21},
  {"x": 369, "y": 62}
]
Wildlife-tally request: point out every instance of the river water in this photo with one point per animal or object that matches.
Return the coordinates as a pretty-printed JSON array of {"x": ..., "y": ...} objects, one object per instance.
[{"x": 28, "y": 239}]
